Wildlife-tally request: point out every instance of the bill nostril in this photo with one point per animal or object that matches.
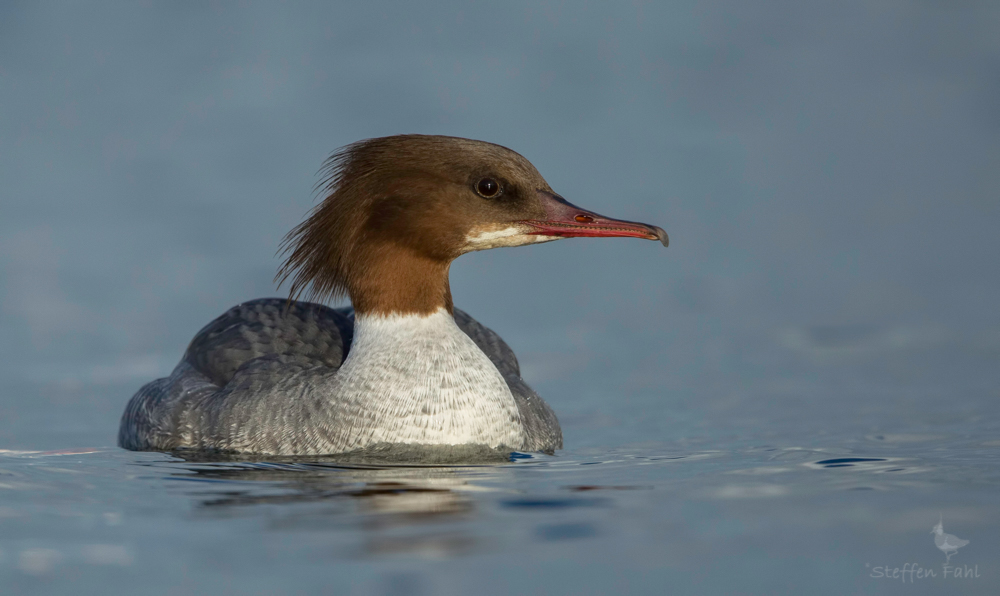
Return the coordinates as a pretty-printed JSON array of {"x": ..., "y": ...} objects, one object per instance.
[{"x": 584, "y": 218}]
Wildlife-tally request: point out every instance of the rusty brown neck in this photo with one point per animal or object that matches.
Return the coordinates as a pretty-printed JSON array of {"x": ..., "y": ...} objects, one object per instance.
[{"x": 400, "y": 282}]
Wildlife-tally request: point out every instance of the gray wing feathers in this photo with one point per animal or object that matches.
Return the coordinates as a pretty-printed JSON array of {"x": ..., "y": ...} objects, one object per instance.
[
  {"x": 299, "y": 332},
  {"x": 240, "y": 352},
  {"x": 152, "y": 419},
  {"x": 223, "y": 359}
]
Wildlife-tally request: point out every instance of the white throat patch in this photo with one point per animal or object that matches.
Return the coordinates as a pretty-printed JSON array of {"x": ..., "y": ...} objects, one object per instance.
[
  {"x": 493, "y": 236},
  {"x": 420, "y": 379}
]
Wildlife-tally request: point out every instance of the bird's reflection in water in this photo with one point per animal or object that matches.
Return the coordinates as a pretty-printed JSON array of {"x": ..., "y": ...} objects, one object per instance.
[{"x": 400, "y": 508}]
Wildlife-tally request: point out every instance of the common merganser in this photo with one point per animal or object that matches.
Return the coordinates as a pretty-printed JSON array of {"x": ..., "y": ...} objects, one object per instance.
[{"x": 403, "y": 366}]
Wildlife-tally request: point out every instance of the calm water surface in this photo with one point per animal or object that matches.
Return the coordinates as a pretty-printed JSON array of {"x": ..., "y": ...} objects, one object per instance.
[
  {"x": 785, "y": 401},
  {"x": 827, "y": 504}
]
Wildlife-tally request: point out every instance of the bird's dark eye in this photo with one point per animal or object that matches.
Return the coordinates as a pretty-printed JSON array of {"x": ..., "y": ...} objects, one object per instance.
[{"x": 489, "y": 188}]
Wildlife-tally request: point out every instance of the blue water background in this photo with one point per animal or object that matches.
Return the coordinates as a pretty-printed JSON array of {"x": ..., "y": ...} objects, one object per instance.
[{"x": 829, "y": 175}]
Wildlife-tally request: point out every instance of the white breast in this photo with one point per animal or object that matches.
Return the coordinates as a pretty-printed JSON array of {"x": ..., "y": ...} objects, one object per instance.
[{"x": 420, "y": 379}]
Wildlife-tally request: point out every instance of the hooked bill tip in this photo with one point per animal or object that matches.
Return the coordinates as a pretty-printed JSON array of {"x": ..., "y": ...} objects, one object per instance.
[{"x": 661, "y": 236}]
